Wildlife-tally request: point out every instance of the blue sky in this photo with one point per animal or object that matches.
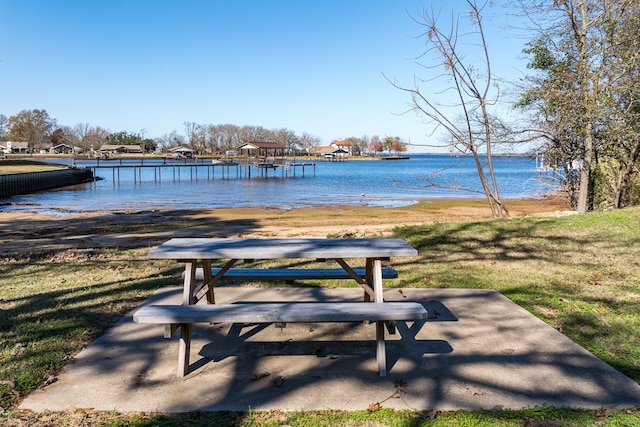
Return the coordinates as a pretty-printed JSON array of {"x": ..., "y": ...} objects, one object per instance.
[{"x": 313, "y": 66}]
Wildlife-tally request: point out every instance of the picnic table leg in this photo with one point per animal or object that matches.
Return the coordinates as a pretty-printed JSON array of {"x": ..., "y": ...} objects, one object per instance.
[
  {"x": 189, "y": 282},
  {"x": 184, "y": 348},
  {"x": 381, "y": 353},
  {"x": 206, "y": 267},
  {"x": 368, "y": 277},
  {"x": 377, "y": 280}
]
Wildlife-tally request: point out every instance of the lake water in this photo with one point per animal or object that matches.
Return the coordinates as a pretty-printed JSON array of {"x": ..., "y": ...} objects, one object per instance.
[{"x": 351, "y": 182}]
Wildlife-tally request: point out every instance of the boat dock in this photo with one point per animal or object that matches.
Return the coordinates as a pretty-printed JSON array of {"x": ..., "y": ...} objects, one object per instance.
[{"x": 222, "y": 169}]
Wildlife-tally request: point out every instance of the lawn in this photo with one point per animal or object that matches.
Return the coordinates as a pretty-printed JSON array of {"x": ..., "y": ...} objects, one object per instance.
[
  {"x": 578, "y": 273},
  {"x": 23, "y": 166}
]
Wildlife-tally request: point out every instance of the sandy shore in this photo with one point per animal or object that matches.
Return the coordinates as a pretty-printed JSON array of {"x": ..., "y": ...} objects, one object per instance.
[{"x": 28, "y": 232}]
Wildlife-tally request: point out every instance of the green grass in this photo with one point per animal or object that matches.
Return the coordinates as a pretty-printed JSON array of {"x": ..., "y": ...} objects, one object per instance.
[
  {"x": 580, "y": 274},
  {"x": 22, "y": 166}
]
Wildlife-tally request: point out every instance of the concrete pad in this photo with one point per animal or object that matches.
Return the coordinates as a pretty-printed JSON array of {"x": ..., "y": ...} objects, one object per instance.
[{"x": 477, "y": 350}]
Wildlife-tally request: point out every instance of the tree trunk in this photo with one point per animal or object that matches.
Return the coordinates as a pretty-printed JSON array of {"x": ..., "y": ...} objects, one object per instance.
[{"x": 585, "y": 196}]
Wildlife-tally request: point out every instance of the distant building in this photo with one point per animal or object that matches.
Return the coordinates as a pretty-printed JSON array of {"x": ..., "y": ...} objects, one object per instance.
[
  {"x": 65, "y": 149},
  {"x": 180, "y": 152},
  {"x": 9, "y": 147},
  {"x": 120, "y": 149},
  {"x": 321, "y": 150},
  {"x": 347, "y": 146},
  {"x": 328, "y": 150}
]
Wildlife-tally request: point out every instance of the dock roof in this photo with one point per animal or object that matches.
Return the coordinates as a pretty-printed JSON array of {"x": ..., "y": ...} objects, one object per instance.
[{"x": 261, "y": 145}]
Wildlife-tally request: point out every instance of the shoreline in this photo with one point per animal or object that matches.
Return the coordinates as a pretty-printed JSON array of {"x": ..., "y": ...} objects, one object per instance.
[
  {"x": 25, "y": 232},
  {"x": 523, "y": 206}
]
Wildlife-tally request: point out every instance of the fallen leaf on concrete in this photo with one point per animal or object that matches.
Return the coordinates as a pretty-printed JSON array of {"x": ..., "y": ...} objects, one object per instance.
[
  {"x": 52, "y": 379},
  {"x": 257, "y": 377},
  {"x": 374, "y": 406},
  {"x": 474, "y": 390}
]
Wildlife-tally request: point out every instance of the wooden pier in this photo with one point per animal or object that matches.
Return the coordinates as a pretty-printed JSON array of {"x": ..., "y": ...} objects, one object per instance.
[{"x": 158, "y": 172}]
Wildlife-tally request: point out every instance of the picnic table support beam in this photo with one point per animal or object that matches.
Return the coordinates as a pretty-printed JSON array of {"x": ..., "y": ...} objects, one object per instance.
[
  {"x": 369, "y": 291},
  {"x": 206, "y": 266},
  {"x": 212, "y": 280}
]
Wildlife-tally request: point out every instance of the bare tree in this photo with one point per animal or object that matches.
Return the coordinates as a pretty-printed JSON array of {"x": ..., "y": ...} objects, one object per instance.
[
  {"x": 469, "y": 124},
  {"x": 70, "y": 137},
  {"x": 170, "y": 140},
  {"x": 95, "y": 138},
  {"x": 308, "y": 140},
  {"x": 81, "y": 131},
  {"x": 213, "y": 139},
  {"x": 375, "y": 145},
  {"x": 229, "y": 137},
  {"x": 286, "y": 137},
  {"x": 196, "y": 134},
  {"x": 4, "y": 121}
]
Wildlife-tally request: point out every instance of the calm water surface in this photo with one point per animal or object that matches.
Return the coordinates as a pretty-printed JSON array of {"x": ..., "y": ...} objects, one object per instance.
[{"x": 351, "y": 182}]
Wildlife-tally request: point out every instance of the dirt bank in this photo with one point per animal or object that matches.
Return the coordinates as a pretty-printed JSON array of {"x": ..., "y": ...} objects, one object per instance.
[{"x": 28, "y": 232}]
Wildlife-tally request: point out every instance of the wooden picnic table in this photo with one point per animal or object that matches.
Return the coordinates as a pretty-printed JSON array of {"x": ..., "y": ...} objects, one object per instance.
[{"x": 200, "y": 282}]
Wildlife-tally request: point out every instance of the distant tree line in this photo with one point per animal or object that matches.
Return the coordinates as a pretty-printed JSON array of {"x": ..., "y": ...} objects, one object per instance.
[
  {"x": 41, "y": 132},
  {"x": 218, "y": 139},
  {"x": 391, "y": 144}
]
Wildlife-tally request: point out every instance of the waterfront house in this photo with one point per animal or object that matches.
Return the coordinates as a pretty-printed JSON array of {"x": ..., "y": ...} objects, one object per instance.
[
  {"x": 321, "y": 150},
  {"x": 328, "y": 151},
  {"x": 346, "y": 145},
  {"x": 9, "y": 147},
  {"x": 180, "y": 152},
  {"x": 65, "y": 149},
  {"x": 120, "y": 149}
]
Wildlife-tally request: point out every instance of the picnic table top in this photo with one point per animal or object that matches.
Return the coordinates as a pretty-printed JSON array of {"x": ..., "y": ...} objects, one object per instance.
[{"x": 274, "y": 248}]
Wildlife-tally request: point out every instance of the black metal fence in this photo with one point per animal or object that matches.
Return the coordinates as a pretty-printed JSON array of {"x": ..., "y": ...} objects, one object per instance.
[{"x": 31, "y": 182}]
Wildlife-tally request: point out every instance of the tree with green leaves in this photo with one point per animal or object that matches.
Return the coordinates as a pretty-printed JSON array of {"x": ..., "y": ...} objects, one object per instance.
[
  {"x": 584, "y": 94},
  {"x": 123, "y": 138}
]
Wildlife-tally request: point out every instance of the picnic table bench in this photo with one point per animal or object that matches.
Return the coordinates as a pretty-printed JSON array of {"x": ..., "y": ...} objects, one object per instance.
[
  {"x": 289, "y": 275},
  {"x": 184, "y": 316}
]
